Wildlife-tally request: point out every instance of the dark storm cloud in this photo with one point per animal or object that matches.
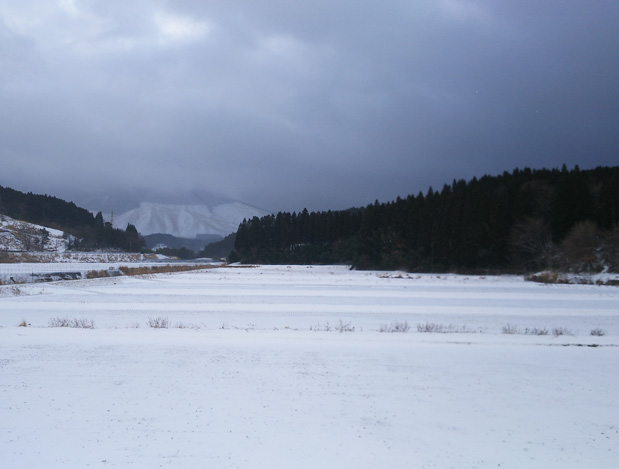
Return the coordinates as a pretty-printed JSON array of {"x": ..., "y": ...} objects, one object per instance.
[{"x": 286, "y": 105}]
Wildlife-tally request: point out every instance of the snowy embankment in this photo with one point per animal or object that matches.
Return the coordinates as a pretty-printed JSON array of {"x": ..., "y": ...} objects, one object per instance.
[
  {"x": 259, "y": 375},
  {"x": 44, "y": 266}
]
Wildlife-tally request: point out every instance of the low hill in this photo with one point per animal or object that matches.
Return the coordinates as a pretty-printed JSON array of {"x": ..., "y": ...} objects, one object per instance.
[
  {"x": 17, "y": 236},
  {"x": 88, "y": 231}
]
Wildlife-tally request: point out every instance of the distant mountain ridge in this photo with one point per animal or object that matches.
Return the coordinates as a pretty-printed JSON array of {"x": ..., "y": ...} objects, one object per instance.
[
  {"x": 158, "y": 240},
  {"x": 188, "y": 221}
]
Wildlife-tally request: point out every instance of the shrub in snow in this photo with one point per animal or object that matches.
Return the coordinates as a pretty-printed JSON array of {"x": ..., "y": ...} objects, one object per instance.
[
  {"x": 598, "y": 332},
  {"x": 158, "y": 322},
  {"x": 83, "y": 323},
  {"x": 509, "y": 329},
  {"x": 536, "y": 331},
  {"x": 429, "y": 327},
  {"x": 340, "y": 327},
  {"x": 557, "y": 331},
  {"x": 182, "y": 325},
  {"x": 24, "y": 324},
  {"x": 395, "y": 326},
  {"x": 75, "y": 322},
  {"x": 344, "y": 327},
  {"x": 446, "y": 329},
  {"x": 432, "y": 327},
  {"x": 59, "y": 322},
  {"x": 321, "y": 328}
]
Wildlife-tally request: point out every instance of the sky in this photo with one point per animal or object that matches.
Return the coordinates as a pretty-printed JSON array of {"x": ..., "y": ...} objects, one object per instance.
[{"x": 286, "y": 105}]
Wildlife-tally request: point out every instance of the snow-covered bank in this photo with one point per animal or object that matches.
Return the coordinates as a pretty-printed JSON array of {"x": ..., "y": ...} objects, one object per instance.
[
  {"x": 40, "y": 266},
  {"x": 269, "y": 390}
]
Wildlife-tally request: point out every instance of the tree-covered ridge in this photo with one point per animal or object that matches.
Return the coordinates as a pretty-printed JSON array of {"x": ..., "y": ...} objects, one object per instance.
[
  {"x": 91, "y": 231},
  {"x": 522, "y": 220}
]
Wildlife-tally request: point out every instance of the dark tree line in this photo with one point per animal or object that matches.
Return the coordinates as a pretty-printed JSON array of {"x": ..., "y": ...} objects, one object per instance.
[
  {"x": 523, "y": 220},
  {"x": 317, "y": 237},
  {"x": 92, "y": 232}
]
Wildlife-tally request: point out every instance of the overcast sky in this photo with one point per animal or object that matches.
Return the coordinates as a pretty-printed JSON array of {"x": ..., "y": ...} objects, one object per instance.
[{"x": 291, "y": 104}]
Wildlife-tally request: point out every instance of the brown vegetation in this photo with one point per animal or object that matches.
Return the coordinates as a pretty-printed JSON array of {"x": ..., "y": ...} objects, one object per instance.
[{"x": 147, "y": 270}]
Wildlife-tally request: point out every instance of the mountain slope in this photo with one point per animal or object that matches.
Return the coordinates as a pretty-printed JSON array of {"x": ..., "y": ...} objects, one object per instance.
[
  {"x": 187, "y": 221},
  {"x": 16, "y": 235}
]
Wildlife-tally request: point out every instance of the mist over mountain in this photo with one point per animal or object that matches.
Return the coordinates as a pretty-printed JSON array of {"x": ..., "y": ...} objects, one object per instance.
[
  {"x": 119, "y": 202},
  {"x": 188, "y": 221}
]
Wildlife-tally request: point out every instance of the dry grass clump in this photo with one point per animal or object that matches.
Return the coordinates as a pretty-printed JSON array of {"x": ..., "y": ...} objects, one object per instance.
[
  {"x": 161, "y": 269},
  {"x": 17, "y": 257},
  {"x": 142, "y": 270},
  {"x": 97, "y": 274},
  {"x": 182, "y": 325},
  {"x": 77, "y": 323},
  {"x": 546, "y": 277},
  {"x": 145, "y": 270},
  {"x": 340, "y": 327},
  {"x": 432, "y": 327},
  {"x": 395, "y": 326},
  {"x": 344, "y": 327},
  {"x": 159, "y": 322},
  {"x": 551, "y": 277},
  {"x": 511, "y": 329}
]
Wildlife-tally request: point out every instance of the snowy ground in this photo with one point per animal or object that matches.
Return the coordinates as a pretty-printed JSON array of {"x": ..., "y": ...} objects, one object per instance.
[{"x": 259, "y": 375}]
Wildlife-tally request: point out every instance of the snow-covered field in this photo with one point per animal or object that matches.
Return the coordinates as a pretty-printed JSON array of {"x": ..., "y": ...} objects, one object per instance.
[{"x": 253, "y": 372}]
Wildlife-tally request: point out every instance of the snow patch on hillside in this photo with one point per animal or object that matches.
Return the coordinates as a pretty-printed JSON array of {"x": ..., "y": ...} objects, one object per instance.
[
  {"x": 17, "y": 235},
  {"x": 187, "y": 221}
]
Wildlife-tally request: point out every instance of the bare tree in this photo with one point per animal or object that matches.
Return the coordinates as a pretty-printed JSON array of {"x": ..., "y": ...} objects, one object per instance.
[
  {"x": 530, "y": 242},
  {"x": 609, "y": 251},
  {"x": 30, "y": 237},
  {"x": 581, "y": 246}
]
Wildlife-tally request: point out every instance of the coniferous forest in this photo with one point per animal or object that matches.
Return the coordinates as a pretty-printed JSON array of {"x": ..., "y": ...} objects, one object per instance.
[
  {"x": 520, "y": 221},
  {"x": 92, "y": 231}
]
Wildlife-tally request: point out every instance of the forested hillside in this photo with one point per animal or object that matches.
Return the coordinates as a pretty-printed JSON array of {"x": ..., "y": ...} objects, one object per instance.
[
  {"x": 91, "y": 231},
  {"x": 519, "y": 221}
]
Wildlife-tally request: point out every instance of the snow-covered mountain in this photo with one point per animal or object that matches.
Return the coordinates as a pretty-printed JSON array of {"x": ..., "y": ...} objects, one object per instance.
[{"x": 187, "y": 221}]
